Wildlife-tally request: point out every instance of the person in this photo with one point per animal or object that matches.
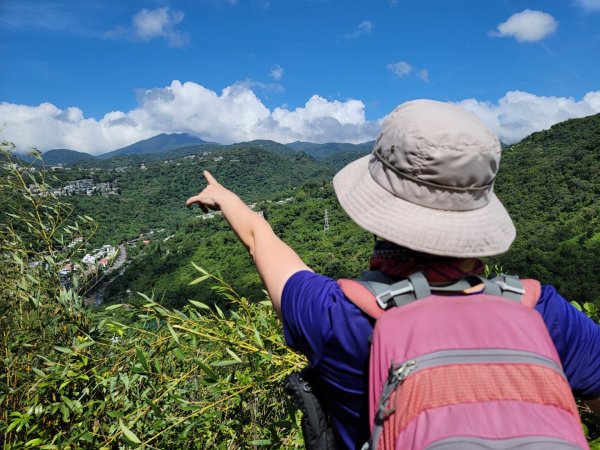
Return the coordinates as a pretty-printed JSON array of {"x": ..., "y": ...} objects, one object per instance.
[{"x": 426, "y": 192}]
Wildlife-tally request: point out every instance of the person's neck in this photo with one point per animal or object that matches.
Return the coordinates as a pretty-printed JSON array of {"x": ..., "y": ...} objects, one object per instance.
[{"x": 399, "y": 262}]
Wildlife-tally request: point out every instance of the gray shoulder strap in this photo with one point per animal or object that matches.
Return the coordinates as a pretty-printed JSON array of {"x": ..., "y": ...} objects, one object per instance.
[
  {"x": 508, "y": 286},
  {"x": 399, "y": 293}
]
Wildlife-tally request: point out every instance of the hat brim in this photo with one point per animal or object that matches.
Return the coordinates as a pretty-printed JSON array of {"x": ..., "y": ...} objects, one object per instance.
[{"x": 484, "y": 231}]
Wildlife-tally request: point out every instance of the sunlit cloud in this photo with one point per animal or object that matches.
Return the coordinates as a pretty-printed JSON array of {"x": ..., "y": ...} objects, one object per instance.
[
  {"x": 364, "y": 27},
  {"x": 236, "y": 114},
  {"x": 403, "y": 69},
  {"x": 588, "y": 5},
  {"x": 148, "y": 24},
  {"x": 276, "y": 72},
  {"x": 518, "y": 114},
  {"x": 527, "y": 26}
]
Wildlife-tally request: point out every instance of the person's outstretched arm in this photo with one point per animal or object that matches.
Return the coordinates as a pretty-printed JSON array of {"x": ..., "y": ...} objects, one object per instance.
[{"x": 274, "y": 259}]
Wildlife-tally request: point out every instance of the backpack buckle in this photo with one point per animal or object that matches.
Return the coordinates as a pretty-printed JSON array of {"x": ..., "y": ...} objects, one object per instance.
[{"x": 386, "y": 299}]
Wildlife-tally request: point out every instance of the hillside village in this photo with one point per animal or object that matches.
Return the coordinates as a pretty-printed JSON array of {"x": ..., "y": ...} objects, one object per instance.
[{"x": 82, "y": 187}]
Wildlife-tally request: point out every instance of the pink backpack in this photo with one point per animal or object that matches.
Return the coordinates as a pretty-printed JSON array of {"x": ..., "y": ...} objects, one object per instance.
[{"x": 469, "y": 366}]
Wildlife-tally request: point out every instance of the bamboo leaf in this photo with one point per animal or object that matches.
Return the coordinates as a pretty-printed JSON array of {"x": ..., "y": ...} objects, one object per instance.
[
  {"x": 128, "y": 433},
  {"x": 199, "y": 279},
  {"x": 63, "y": 349},
  {"x": 260, "y": 442},
  {"x": 200, "y": 304},
  {"x": 208, "y": 370},
  {"x": 172, "y": 331},
  {"x": 233, "y": 355},
  {"x": 228, "y": 362},
  {"x": 257, "y": 337},
  {"x": 141, "y": 358},
  {"x": 200, "y": 269},
  {"x": 111, "y": 307}
]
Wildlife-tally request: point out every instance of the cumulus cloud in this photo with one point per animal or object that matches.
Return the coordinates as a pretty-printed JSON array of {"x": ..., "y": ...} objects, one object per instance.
[
  {"x": 423, "y": 74},
  {"x": 276, "y": 72},
  {"x": 518, "y": 114},
  {"x": 402, "y": 69},
  {"x": 527, "y": 26},
  {"x": 148, "y": 24},
  {"x": 589, "y": 5},
  {"x": 363, "y": 28},
  {"x": 234, "y": 115}
]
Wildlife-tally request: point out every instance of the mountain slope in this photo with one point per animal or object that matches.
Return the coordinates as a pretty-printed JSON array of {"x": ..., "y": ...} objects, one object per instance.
[
  {"x": 550, "y": 184},
  {"x": 269, "y": 146},
  {"x": 64, "y": 156},
  {"x": 153, "y": 194},
  {"x": 157, "y": 144},
  {"x": 324, "y": 151}
]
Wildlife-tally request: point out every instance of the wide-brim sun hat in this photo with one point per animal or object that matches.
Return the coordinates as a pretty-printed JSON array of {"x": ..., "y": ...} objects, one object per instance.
[{"x": 428, "y": 183}]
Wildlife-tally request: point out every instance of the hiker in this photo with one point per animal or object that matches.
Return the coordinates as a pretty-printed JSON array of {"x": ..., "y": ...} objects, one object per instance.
[{"x": 426, "y": 193}]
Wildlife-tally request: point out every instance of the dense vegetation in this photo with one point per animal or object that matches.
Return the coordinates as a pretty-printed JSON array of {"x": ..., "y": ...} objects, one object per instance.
[
  {"x": 154, "y": 191},
  {"x": 550, "y": 184},
  {"x": 164, "y": 266},
  {"x": 197, "y": 360},
  {"x": 133, "y": 376}
]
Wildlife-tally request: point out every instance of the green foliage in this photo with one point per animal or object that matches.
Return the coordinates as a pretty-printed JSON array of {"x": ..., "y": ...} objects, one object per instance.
[
  {"x": 153, "y": 191},
  {"x": 164, "y": 267},
  {"x": 550, "y": 184},
  {"x": 130, "y": 376}
]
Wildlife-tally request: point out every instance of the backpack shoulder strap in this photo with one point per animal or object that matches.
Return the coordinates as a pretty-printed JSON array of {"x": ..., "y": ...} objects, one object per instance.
[
  {"x": 374, "y": 297},
  {"x": 374, "y": 293},
  {"x": 525, "y": 291},
  {"x": 533, "y": 292}
]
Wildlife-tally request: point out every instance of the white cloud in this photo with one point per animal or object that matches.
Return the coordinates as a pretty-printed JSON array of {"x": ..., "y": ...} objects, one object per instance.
[
  {"x": 402, "y": 69},
  {"x": 518, "y": 114},
  {"x": 234, "y": 115},
  {"x": 589, "y": 5},
  {"x": 276, "y": 72},
  {"x": 237, "y": 114},
  {"x": 424, "y": 74},
  {"x": 148, "y": 24},
  {"x": 364, "y": 27},
  {"x": 527, "y": 26}
]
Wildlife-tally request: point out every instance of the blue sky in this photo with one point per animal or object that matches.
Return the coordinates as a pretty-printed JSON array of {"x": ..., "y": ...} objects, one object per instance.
[{"x": 98, "y": 75}]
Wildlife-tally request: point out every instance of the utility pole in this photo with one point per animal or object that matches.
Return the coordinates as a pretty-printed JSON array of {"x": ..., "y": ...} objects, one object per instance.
[{"x": 326, "y": 224}]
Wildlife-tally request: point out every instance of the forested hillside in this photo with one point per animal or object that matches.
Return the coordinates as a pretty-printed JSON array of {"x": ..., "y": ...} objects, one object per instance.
[
  {"x": 550, "y": 184},
  {"x": 153, "y": 191},
  {"x": 185, "y": 351}
]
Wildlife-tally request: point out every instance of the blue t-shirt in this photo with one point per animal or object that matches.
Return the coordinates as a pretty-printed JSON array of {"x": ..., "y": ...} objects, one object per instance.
[{"x": 333, "y": 333}]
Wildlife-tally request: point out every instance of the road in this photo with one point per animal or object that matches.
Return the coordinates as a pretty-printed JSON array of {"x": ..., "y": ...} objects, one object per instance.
[{"x": 96, "y": 296}]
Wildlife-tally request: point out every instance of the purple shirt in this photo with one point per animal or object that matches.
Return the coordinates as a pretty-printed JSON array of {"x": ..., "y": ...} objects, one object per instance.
[{"x": 333, "y": 333}]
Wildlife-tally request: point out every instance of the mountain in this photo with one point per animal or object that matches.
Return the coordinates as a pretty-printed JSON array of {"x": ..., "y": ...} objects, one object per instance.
[
  {"x": 153, "y": 188},
  {"x": 157, "y": 144},
  {"x": 64, "y": 156},
  {"x": 550, "y": 183},
  {"x": 323, "y": 151},
  {"x": 269, "y": 146}
]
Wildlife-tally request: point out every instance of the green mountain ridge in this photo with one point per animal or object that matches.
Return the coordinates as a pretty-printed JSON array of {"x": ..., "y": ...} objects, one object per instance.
[
  {"x": 324, "y": 151},
  {"x": 550, "y": 184},
  {"x": 157, "y": 144}
]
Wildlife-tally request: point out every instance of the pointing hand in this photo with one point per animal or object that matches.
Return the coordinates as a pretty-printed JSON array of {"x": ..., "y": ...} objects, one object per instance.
[{"x": 211, "y": 197}]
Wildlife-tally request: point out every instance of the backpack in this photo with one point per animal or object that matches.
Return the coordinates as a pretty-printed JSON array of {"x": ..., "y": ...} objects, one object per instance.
[{"x": 467, "y": 366}]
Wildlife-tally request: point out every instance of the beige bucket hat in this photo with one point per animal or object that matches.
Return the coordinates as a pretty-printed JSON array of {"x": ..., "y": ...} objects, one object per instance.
[{"x": 428, "y": 184}]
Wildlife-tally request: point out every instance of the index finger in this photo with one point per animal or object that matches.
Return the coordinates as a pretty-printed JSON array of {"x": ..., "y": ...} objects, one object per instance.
[{"x": 209, "y": 178}]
